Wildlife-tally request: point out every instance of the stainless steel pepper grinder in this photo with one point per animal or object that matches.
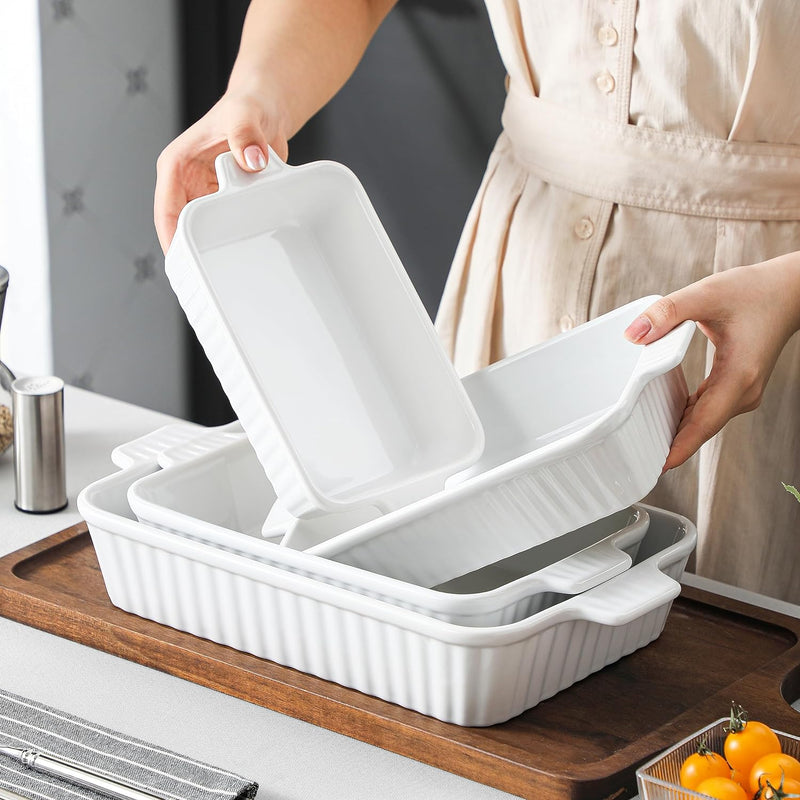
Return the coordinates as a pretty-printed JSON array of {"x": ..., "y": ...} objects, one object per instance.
[{"x": 39, "y": 457}]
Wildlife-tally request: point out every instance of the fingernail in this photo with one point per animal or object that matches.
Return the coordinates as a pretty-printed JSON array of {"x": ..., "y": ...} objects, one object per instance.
[
  {"x": 254, "y": 158},
  {"x": 638, "y": 329}
]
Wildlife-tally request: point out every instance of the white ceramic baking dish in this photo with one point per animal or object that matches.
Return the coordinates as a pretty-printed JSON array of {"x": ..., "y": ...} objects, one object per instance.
[
  {"x": 219, "y": 497},
  {"x": 465, "y": 675},
  {"x": 319, "y": 340},
  {"x": 577, "y": 428}
]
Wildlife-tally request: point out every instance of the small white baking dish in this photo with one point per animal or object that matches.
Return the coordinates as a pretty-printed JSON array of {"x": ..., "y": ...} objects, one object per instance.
[
  {"x": 220, "y": 497},
  {"x": 319, "y": 340},
  {"x": 465, "y": 675}
]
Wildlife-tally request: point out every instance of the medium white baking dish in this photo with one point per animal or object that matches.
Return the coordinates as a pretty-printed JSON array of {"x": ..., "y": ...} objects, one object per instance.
[
  {"x": 219, "y": 497},
  {"x": 465, "y": 675},
  {"x": 576, "y": 428},
  {"x": 319, "y": 340}
]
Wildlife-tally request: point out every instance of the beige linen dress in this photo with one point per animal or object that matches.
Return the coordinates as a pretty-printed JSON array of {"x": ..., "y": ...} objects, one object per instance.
[{"x": 646, "y": 146}]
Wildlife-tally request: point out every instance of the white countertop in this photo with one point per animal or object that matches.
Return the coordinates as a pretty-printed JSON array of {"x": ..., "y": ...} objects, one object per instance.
[{"x": 290, "y": 759}]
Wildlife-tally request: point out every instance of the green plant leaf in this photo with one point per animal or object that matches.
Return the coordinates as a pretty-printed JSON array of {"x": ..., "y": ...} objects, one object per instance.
[{"x": 792, "y": 490}]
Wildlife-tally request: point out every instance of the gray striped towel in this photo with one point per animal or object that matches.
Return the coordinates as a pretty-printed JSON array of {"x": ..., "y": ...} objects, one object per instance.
[{"x": 27, "y": 724}]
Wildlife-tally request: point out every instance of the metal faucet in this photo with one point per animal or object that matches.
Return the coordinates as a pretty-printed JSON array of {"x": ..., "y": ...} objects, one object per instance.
[{"x": 6, "y": 375}]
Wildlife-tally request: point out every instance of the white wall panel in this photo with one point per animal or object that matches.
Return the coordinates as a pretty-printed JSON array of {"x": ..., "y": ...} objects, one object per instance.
[{"x": 26, "y": 342}]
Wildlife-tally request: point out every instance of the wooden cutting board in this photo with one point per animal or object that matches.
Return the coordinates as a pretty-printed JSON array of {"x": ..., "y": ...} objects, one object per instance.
[{"x": 585, "y": 743}]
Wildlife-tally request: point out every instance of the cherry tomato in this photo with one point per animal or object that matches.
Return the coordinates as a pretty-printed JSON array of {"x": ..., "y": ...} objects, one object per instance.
[
  {"x": 776, "y": 791},
  {"x": 772, "y": 767},
  {"x": 703, "y": 764},
  {"x": 742, "y": 779},
  {"x": 722, "y": 789},
  {"x": 747, "y": 741}
]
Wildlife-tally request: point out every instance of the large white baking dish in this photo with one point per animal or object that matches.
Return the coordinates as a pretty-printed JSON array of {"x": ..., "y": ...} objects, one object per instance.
[
  {"x": 465, "y": 675},
  {"x": 219, "y": 497},
  {"x": 319, "y": 340}
]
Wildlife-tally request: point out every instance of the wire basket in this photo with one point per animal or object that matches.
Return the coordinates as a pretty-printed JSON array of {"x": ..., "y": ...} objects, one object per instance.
[{"x": 659, "y": 779}]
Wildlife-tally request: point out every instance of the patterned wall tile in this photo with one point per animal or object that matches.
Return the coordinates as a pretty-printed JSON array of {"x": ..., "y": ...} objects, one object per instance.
[{"x": 110, "y": 104}]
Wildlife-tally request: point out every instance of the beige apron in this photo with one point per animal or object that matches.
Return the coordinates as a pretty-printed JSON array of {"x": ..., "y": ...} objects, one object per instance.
[{"x": 645, "y": 147}]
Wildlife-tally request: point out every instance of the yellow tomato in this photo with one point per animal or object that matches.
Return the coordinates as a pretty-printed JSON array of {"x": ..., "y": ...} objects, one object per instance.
[
  {"x": 772, "y": 767},
  {"x": 722, "y": 789},
  {"x": 701, "y": 765},
  {"x": 747, "y": 741}
]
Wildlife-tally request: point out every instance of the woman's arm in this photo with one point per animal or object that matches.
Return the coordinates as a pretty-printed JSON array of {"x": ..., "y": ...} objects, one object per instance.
[
  {"x": 293, "y": 57},
  {"x": 748, "y": 314}
]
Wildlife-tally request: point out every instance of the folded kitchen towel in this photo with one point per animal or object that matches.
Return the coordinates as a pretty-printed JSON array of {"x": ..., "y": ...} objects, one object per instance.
[{"x": 30, "y": 725}]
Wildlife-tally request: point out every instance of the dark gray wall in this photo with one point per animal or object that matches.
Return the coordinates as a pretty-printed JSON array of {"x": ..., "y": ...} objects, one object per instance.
[{"x": 416, "y": 123}]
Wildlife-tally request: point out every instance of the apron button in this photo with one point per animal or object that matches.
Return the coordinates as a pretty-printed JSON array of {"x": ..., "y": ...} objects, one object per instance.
[
  {"x": 605, "y": 82},
  {"x": 566, "y": 323},
  {"x": 584, "y": 228},
  {"x": 607, "y": 35}
]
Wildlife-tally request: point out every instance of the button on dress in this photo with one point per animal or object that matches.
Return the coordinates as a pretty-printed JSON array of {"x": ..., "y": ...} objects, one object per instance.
[{"x": 645, "y": 146}]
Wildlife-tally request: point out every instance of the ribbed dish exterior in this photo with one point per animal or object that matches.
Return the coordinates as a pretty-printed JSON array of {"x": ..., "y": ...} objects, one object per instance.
[
  {"x": 194, "y": 297},
  {"x": 188, "y": 586},
  {"x": 482, "y": 522}
]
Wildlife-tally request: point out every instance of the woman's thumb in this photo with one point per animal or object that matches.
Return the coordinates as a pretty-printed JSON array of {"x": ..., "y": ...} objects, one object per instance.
[
  {"x": 249, "y": 147},
  {"x": 656, "y": 320}
]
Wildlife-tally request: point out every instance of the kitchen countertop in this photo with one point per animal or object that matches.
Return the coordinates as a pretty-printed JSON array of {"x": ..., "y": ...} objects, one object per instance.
[{"x": 290, "y": 759}]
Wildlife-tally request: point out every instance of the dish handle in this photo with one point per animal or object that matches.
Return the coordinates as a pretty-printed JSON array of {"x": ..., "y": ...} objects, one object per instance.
[
  {"x": 589, "y": 567},
  {"x": 628, "y": 596},
  {"x": 147, "y": 448},
  {"x": 231, "y": 176},
  {"x": 209, "y": 440},
  {"x": 664, "y": 354}
]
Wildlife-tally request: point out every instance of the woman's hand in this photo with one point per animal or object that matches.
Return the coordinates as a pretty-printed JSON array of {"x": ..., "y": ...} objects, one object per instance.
[
  {"x": 748, "y": 314},
  {"x": 244, "y": 123},
  {"x": 293, "y": 57}
]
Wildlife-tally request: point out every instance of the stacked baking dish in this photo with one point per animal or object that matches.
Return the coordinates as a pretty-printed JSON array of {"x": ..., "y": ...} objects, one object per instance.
[
  {"x": 464, "y": 549},
  {"x": 469, "y": 675}
]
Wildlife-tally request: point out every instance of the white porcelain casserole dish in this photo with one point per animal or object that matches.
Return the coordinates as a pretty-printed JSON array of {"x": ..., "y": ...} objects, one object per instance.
[
  {"x": 319, "y": 339},
  {"x": 576, "y": 428},
  {"x": 465, "y": 675}
]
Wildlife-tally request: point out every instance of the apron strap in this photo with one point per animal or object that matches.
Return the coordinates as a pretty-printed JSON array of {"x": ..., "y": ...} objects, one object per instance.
[{"x": 629, "y": 165}]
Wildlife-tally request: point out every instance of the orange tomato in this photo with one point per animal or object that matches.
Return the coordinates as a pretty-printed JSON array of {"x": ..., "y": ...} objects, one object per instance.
[
  {"x": 722, "y": 789},
  {"x": 701, "y": 765},
  {"x": 742, "y": 779},
  {"x": 778, "y": 791},
  {"x": 747, "y": 741},
  {"x": 773, "y": 767}
]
